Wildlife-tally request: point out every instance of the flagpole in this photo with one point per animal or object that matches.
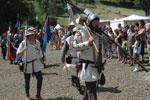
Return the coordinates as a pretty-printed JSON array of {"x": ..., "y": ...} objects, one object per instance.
[
  {"x": 25, "y": 46},
  {"x": 18, "y": 22}
]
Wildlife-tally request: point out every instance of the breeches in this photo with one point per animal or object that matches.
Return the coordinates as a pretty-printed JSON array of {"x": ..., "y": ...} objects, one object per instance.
[
  {"x": 142, "y": 48},
  {"x": 38, "y": 76},
  {"x": 90, "y": 91}
]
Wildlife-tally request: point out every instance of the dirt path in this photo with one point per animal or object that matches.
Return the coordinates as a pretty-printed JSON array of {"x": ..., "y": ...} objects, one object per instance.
[{"x": 121, "y": 82}]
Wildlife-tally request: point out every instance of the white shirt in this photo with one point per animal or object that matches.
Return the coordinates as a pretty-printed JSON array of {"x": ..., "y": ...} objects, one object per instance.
[
  {"x": 71, "y": 52},
  {"x": 33, "y": 52},
  {"x": 138, "y": 49}
]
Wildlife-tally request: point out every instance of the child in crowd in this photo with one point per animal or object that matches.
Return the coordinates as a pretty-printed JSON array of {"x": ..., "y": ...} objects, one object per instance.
[
  {"x": 124, "y": 46},
  {"x": 136, "y": 51}
]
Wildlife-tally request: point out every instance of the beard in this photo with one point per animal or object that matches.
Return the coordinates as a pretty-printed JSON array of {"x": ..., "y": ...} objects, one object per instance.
[{"x": 96, "y": 30}]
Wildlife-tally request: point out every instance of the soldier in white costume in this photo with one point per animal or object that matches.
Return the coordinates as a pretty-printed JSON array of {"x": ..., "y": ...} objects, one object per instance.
[
  {"x": 71, "y": 59},
  {"x": 34, "y": 61},
  {"x": 68, "y": 50},
  {"x": 83, "y": 44}
]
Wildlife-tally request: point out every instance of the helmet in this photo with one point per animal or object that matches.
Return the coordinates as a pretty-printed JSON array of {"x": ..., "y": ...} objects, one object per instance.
[{"x": 92, "y": 17}]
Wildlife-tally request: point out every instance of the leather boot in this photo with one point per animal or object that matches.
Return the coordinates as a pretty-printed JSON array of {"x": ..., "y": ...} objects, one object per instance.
[
  {"x": 38, "y": 94},
  {"x": 27, "y": 95}
]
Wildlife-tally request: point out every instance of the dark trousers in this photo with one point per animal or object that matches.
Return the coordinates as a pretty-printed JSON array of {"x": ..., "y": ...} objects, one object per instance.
[
  {"x": 4, "y": 51},
  {"x": 39, "y": 78},
  {"x": 75, "y": 80},
  {"x": 90, "y": 91}
]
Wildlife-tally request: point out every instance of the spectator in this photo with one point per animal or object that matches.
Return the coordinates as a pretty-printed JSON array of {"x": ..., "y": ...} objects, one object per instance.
[
  {"x": 148, "y": 43},
  {"x": 131, "y": 40},
  {"x": 124, "y": 46},
  {"x": 142, "y": 33},
  {"x": 136, "y": 51},
  {"x": 17, "y": 43}
]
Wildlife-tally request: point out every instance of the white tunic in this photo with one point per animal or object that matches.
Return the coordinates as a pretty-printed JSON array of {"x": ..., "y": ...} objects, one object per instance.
[
  {"x": 71, "y": 52},
  {"x": 33, "y": 52},
  {"x": 71, "y": 68},
  {"x": 80, "y": 43}
]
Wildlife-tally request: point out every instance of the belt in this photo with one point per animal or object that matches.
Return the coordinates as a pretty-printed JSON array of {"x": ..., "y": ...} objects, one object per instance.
[
  {"x": 32, "y": 61},
  {"x": 72, "y": 57},
  {"x": 69, "y": 59},
  {"x": 87, "y": 62}
]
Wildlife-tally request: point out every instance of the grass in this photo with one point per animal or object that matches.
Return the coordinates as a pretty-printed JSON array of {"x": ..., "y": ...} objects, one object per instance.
[{"x": 105, "y": 12}]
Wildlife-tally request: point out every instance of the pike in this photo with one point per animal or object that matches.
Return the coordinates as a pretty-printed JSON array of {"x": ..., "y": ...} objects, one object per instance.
[
  {"x": 136, "y": 61},
  {"x": 25, "y": 46}
]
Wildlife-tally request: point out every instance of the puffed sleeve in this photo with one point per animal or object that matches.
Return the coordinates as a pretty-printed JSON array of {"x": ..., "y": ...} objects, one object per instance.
[
  {"x": 21, "y": 46},
  {"x": 80, "y": 41}
]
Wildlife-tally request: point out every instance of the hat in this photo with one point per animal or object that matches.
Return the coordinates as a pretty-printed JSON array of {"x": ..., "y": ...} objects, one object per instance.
[
  {"x": 75, "y": 29},
  {"x": 30, "y": 31},
  {"x": 71, "y": 24},
  {"x": 81, "y": 17},
  {"x": 60, "y": 31}
]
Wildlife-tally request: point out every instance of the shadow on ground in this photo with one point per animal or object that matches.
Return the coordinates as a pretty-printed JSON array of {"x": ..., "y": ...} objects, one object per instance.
[
  {"x": 52, "y": 65},
  {"x": 109, "y": 89},
  {"x": 49, "y": 73},
  {"x": 59, "y": 98}
]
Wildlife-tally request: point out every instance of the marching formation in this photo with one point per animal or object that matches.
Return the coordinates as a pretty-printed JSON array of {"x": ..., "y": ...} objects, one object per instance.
[{"x": 83, "y": 47}]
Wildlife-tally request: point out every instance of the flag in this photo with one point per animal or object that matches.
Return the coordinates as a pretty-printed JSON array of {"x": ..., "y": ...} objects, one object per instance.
[
  {"x": 8, "y": 30},
  {"x": 70, "y": 12},
  {"x": 47, "y": 34},
  {"x": 17, "y": 24}
]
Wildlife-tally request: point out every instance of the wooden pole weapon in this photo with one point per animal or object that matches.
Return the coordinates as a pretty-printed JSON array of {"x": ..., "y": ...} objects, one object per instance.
[{"x": 25, "y": 46}]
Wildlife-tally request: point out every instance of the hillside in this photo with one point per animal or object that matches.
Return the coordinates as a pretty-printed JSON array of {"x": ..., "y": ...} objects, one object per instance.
[{"x": 104, "y": 11}]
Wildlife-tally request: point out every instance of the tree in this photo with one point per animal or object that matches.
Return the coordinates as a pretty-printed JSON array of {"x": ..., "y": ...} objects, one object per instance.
[
  {"x": 9, "y": 9},
  {"x": 143, "y": 4}
]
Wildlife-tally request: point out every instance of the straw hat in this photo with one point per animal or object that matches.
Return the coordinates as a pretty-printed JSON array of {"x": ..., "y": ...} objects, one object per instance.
[
  {"x": 30, "y": 31},
  {"x": 75, "y": 29},
  {"x": 81, "y": 18}
]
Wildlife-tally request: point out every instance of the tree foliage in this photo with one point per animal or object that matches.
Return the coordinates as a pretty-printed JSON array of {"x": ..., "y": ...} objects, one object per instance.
[
  {"x": 9, "y": 9},
  {"x": 29, "y": 9},
  {"x": 143, "y": 4}
]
